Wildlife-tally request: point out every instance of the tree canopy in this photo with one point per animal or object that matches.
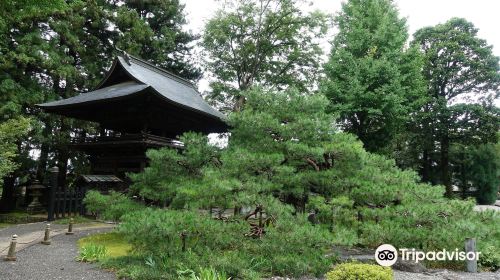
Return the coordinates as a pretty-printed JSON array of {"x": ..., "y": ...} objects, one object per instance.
[
  {"x": 458, "y": 66},
  {"x": 53, "y": 50},
  {"x": 372, "y": 79},
  {"x": 285, "y": 158},
  {"x": 268, "y": 43}
]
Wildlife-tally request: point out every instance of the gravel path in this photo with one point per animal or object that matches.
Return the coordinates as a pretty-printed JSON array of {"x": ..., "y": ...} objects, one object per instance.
[
  {"x": 29, "y": 234},
  {"x": 55, "y": 261},
  {"x": 495, "y": 207},
  {"x": 22, "y": 229},
  {"x": 446, "y": 275}
]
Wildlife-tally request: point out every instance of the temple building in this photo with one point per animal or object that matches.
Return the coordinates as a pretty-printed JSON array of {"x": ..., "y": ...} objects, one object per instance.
[{"x": 139, "y": 106}]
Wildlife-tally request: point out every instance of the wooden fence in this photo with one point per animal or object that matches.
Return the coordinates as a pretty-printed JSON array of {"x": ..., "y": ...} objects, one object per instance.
[
  {"x": 69, "y": 203},
  {"x": 64, "y": 202}
]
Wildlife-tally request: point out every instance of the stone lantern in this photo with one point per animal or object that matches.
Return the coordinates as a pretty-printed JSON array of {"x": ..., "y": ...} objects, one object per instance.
[{"x": 35, "y": 190}]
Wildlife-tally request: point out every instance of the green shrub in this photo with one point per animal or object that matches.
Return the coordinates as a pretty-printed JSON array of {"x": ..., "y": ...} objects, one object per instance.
[
  {"x": 484, "y": 173},
  {"x": 489, "y": 259},
  {"x": 354, "y": 271},
  {"x": 95, "y": 202},
  {"x": 284, "y": 155},
  {"x": 110, "y": 207},
  {"x": 92, "y": 253},
  {"x": 290, "y": 247}
]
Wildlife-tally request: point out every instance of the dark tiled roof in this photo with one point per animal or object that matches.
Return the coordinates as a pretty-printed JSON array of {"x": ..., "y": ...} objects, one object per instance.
[
  {"x": 169, "y": 86},
  {"x": 114, "y": 91},
  {"x": 101, "y": 179}
]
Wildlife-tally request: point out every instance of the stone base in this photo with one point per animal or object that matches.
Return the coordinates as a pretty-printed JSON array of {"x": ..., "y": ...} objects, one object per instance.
[
  {"x": 409, "y": 266},
  {"x": 69, "y": 233},
  {"x": 10, "y": 259},
  {"x": 45, "y": 242}
]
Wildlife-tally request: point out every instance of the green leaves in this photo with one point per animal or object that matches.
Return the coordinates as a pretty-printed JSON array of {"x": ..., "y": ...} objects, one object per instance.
[
  {"x": 172, "y": 171},
  {"x": 462, "y": 76},
  {"x": 265, "y": 43},
  {"x": 10, "y": 133},
  {"x": 483, "y": 172},
  {"x": 51, "y": 50},
  {"x": 372, "y": 81},
  {"x": 457, "y": 61}
]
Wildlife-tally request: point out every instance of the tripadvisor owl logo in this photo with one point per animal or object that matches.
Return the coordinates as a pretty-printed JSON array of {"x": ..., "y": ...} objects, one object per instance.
[{"x": 386, "y": 255}]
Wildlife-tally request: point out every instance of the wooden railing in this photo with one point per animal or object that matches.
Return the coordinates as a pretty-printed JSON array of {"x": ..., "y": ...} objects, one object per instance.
[{"x": 139, "y": 138}]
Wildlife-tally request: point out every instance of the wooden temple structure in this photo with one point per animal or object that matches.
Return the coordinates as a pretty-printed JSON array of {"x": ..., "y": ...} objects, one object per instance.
[{"x": 138, "y": 107}]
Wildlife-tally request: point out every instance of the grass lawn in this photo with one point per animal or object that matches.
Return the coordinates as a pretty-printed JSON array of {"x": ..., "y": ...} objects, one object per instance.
[
  {"x": 3, "y": 225},
  {"x": 115, "y": 243},
  {"x": 21, "y": 217}
]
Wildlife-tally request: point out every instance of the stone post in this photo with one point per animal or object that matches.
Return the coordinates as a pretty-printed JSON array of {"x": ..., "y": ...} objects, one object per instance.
[
  {"x": 470, "y": 246},
  {"x": 46, "y": 238},
  {"x": 70, "y": 227},
  {"x": 11, "y": 255}
]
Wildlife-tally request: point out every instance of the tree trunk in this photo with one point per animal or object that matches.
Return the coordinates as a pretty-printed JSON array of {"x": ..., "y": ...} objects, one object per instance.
[
  {"x": 63, "y": 154},
  {"x": 428, "y": 146},
  {"x": 426, "y": 166},
  {"x": 238, "y": 106},
  {"x": 463, "y": 176},
  {"x": 445, "y": 164},
  {"x": 8, "y": 202},
  {"x": 44, "y": 152},
  {"x": 244, "y": 84}
]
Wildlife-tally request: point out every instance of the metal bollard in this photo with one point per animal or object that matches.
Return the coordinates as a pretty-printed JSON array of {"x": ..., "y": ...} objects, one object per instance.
[
  {"x": 70, "y": 227},
  {"x": 11, "y": 255},
  {"x": 46, "y": 238}
]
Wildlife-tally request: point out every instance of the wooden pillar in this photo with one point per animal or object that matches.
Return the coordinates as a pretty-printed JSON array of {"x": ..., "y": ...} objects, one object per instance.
[{"x": 54, "y": 173}]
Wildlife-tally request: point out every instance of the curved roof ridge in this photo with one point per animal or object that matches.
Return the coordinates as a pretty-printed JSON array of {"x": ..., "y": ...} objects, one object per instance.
[
  {"x": 173, "y": 89},
  {"x": 160, "y": 70}
]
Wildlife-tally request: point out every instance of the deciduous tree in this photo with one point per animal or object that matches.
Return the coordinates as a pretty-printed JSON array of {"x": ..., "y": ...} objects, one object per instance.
[
  {"x": 373, "y": 80},
  {"x": 458, "y": 65},
  {"x": 269, "y": 43}
]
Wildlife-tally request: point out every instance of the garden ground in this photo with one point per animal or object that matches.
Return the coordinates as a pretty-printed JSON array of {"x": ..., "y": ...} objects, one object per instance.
[{"x": 57, "y": 261}]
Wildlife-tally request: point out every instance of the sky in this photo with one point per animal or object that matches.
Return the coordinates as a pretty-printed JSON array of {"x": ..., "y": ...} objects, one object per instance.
[{"x": 484, "y": 14}]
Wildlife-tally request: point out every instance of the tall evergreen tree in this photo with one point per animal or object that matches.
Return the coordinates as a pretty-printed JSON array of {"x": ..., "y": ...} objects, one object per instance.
[
  {"x": 373, "y": 81},
  {"x": 60, "y": 49},
  {"x": 159, "y": 36},
  {"x": 458, "y": 65},
  {"x": 21, "y": 81}
]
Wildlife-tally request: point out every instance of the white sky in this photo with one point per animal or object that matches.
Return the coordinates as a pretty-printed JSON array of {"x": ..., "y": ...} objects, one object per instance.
[{"x": 484, "y": 14}]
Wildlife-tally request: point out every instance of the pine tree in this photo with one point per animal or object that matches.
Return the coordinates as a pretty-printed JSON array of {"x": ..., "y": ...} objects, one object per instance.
[{"x": 285, "y": 158}]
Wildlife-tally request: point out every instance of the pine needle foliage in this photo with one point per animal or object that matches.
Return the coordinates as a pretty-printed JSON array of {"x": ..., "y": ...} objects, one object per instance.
[{"x": 286, "y": 159}]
